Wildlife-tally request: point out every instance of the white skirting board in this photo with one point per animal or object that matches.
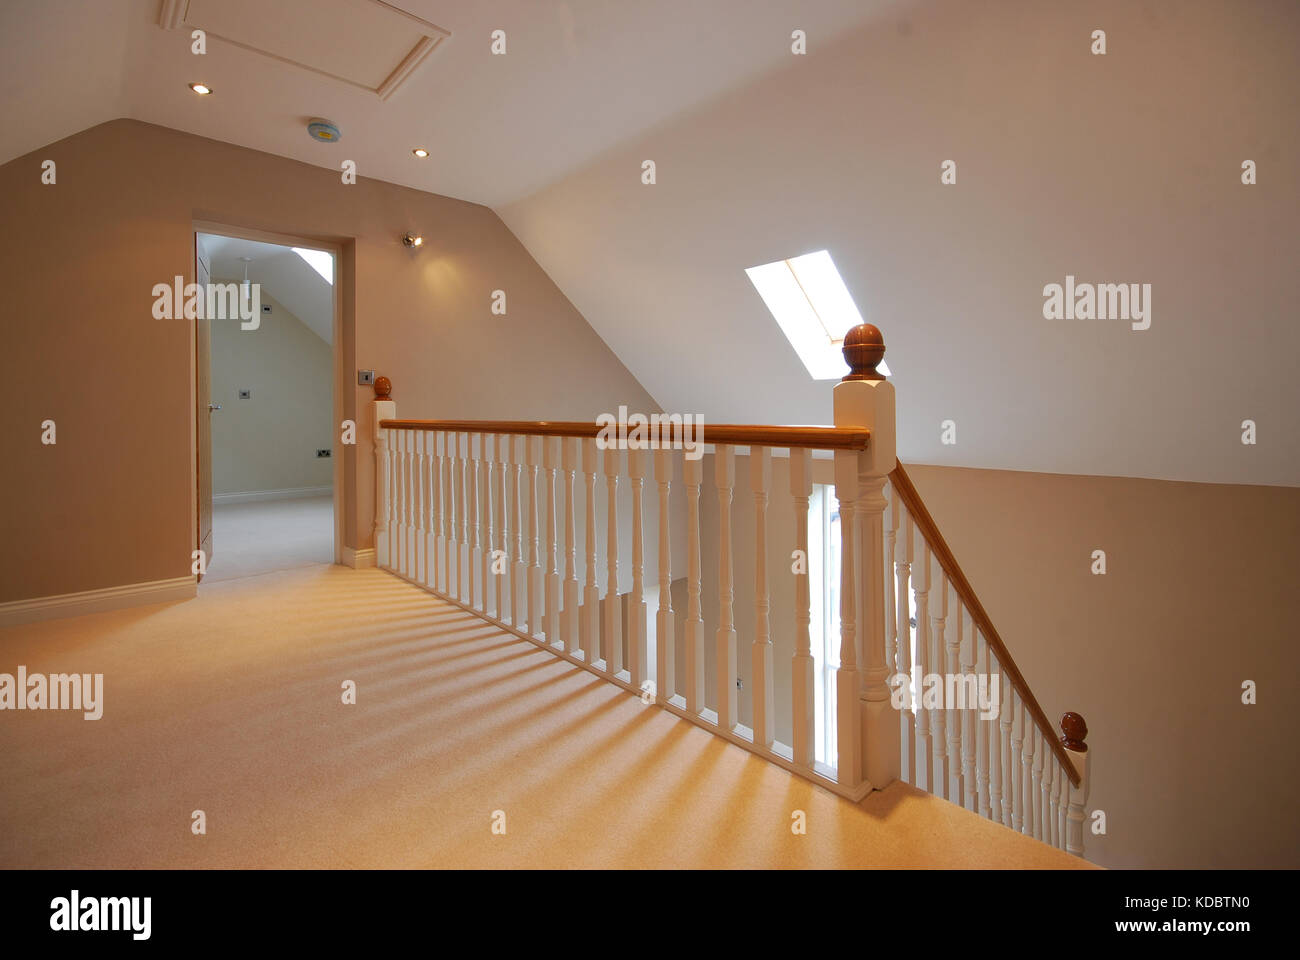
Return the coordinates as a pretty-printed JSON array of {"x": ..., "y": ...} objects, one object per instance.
[
  {"x": 96, "y": 601},
  {"x": 358, "y": 559},
  {"x": 289, "y": 493}
]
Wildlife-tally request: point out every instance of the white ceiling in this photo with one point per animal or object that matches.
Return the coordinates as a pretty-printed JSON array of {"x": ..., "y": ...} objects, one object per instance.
[
  {"x": 282, "y": 273},
  {"x": 1120, "y": 168},
  {"x": 578, "y": 77}
]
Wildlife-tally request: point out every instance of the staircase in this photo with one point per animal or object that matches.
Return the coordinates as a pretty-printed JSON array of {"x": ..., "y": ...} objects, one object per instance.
[{"x": 485, "y": 515}]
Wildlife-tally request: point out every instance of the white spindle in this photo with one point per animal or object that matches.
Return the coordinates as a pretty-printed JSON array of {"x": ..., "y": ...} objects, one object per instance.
[
  {"x": 590, "y": 617},
  {"x": 937, "y": 653},
  {"x": 921, "y": 589},
  {"x": 1026, "y": 769},
  {"x": 803, "y": 668},
  {"x": 383, "y": 498},
  {"x": 431, "y": 511},
  {"x": 637, "y": 645},
  {"x": 1039, "y": 749},
  {"x": 1017, "y": 757},
  {"x": 483, "y": 493},
  {"x": 533, "y": 544},
  {"x": 693, "y": 648},
  {"x": 569, "y": 615},
  {"x": 419, "y": 568},
  {"x": 764, "y": 689},
  {"x": 551, "y": 616},
  {"x": 475, "y": 540},
  {"x": 985, "y": 733},
  {"x": 1006, "y": 722},
  {"x": 448, "y": 494},
  {"x": 967, "y": 716},
  {"x": 487, "y": 488},
  {"x": 1049, "y": 793},
  {"x": 1062, "y": 806},
  {"x": 724, "y": 477},
  {"x": 519, "y": 564},
  {"x": 903, "y": 654},
  {"x": 464, "y": 578},
  {"x": 665, "y": 626},
  {"x": 613, "y": 611},
  {"x": 848, "y": 733},
  {"x": 954, "y": 637},
  {"x": 399, "y": 501},
  {"x": 499, "y": 564}
]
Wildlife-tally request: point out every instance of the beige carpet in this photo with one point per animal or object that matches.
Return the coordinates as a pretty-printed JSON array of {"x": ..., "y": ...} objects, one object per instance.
[
  {"x": 230, "y": 703},
  {"x": 250, "y": 539}
]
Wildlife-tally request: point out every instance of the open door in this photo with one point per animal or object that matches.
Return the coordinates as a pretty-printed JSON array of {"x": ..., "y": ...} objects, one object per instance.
[{"x": 204, "y": 407}]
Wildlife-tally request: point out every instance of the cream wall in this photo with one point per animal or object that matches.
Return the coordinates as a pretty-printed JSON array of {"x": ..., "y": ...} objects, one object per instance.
[
  {"x": 110, "y": 503},
  {"x": 269, "y": 441}
]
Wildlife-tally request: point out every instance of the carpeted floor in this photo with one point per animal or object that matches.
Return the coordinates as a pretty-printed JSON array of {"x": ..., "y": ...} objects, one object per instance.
[
  {"x": 230, "y": 704},
  {"x": 260, "y": 537}
]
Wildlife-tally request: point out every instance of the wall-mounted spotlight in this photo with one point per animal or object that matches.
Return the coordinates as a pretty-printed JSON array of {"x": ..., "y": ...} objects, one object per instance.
[
  {"x": 202, "y": 89},
  {"x": 420, "y": 152},
  {"x": 411, "y": 241}
]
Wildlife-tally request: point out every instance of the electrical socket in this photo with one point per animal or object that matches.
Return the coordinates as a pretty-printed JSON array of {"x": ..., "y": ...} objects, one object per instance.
[{"x": 323, "y": 453}]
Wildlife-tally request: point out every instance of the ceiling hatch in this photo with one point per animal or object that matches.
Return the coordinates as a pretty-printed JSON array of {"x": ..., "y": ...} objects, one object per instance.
[{"x": 367, "y": 43}]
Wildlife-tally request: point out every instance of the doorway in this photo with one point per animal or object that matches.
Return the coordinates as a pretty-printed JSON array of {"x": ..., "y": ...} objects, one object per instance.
[{"x": 268, "y": 472}]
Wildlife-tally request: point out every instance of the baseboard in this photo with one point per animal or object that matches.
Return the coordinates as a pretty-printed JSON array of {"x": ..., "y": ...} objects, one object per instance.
[
  {"x": 96, "y": 601},
  {"x": 289, "y": 493},
  {"x": 359, "y": 559}
]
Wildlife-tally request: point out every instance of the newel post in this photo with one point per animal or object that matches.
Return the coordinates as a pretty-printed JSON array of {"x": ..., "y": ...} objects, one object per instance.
[
  {"x": 1073, "y": 733},
  {"x": 383, "y": 409},
  {"x": 865, "y": 398}
]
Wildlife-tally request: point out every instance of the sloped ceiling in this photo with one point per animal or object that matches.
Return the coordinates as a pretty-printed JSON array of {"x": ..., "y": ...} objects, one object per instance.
[
  {"x": 1121, "y": 168},
  {"x": 282, "y": 273}
]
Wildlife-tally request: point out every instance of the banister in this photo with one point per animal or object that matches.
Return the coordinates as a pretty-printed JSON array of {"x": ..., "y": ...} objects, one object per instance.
[
  {"x": 909, "y": 496},
  {"x": 816, "y": 438}
]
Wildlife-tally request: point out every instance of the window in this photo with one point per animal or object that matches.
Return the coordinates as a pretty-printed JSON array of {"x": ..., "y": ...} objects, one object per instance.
[
  {"x": 811, "y": 304},
  {"x": 824, "y": 598},
  {"x": 318, "y": 260}
]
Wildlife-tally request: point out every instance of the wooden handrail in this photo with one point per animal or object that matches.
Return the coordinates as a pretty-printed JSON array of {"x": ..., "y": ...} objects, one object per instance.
[
  {"x": 908, "y": 494},
  {"x": 816, "y": 438}
]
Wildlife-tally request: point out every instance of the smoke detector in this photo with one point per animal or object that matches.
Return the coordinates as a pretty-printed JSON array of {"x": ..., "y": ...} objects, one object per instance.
[{"x": 326, "y": 131}]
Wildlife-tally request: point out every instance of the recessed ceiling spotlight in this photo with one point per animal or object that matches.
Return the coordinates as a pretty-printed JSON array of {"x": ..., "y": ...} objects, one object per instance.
[
  {"x": 326, "y": 131},
  {"x": 411, "y": 241},
  {"x": 201, "y": 88},
  {"x": 420, "y": 152}
]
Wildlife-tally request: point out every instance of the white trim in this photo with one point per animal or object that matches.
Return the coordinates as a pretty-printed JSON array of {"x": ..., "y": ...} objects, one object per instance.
[
  {"x": 288, "y": 493},
  {"x": 359, "y": 559},
  {"x": 96, "y": 601}
]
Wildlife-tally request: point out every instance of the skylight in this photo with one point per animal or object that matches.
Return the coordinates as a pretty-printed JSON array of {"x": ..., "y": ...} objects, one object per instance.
[
  {"x": 318, "y": 260},
  {"x": 813, "y": 308}
]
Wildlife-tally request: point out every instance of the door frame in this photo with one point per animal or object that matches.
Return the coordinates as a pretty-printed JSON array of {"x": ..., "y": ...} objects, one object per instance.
[{"x": 335, "y": 248}]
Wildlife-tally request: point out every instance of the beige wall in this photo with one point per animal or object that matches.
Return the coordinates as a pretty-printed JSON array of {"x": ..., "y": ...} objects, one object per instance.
[
  {"x": 1199, "y": 595},
  {"x": 269, "y": 441},
  {"x": 111, "y": 502}
]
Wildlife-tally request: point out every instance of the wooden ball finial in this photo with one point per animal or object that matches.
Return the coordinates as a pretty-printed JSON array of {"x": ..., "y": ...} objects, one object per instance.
[
  {"x": 1073, "y": 733},
  {"x": 864, "y": 348},
  {"x": 383, "y": 388}
]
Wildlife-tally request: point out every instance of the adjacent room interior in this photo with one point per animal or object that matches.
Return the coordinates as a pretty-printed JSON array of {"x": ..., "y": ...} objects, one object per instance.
[{"x": 270, "y": 410}]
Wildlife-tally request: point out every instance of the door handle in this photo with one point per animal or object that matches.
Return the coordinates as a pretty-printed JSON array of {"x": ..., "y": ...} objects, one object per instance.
[{"x": 213, "y": 406}]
